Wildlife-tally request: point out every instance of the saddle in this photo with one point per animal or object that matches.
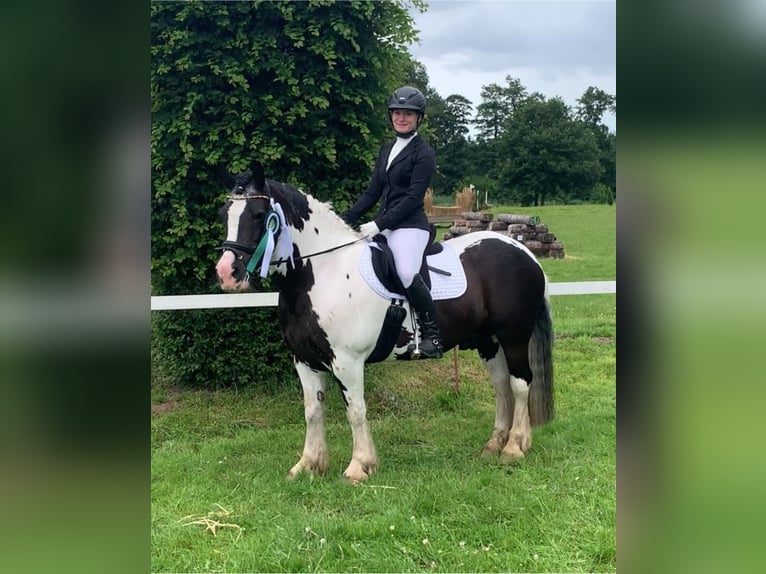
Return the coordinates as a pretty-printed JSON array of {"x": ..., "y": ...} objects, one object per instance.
[{"x": 385, "y": 267}]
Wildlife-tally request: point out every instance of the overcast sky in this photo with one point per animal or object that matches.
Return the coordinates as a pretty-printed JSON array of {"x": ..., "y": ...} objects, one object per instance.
[{"x": 557, "y": 48}]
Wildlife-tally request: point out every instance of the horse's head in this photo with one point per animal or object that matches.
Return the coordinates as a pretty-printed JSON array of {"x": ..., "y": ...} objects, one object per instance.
[{"x": 247, "y": 217}]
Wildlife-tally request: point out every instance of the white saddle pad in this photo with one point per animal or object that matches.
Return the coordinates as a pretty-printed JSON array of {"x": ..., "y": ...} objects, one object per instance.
[{"x": 442, "y": 286}]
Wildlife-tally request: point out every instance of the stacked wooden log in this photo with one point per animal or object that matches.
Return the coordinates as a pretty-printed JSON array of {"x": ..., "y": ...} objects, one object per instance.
[{"x": 524, "y": 228}]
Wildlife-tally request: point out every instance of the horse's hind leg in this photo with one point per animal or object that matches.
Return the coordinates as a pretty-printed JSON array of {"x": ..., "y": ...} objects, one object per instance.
[
  {"x": 497, "y": 367},
  {"x": 314, "y": 458},
  {"x": 520, "y": 437}
]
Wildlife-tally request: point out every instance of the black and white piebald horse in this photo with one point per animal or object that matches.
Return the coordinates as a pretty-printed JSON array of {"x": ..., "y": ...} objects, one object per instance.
[{"x": 490, "y": 293}]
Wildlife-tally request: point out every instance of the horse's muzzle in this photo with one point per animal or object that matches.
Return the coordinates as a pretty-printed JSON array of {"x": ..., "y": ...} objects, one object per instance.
[{"x": 231, "y": 272}]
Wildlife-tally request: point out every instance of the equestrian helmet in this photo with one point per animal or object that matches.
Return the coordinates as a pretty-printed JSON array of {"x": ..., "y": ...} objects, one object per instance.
[{"x": 407, "y": 98}]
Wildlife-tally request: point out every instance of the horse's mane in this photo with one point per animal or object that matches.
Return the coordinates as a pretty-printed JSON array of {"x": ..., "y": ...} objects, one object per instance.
[{"x": 299, "y": 206}]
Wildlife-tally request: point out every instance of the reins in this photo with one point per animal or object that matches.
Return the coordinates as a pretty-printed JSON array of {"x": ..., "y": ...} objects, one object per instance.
[
  {"x": 310, "y": 255},
  {"x": 250, "y": 249}
]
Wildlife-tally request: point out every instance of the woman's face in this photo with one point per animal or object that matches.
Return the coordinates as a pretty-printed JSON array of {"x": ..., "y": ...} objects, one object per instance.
[{"x": 405, "y": 121}]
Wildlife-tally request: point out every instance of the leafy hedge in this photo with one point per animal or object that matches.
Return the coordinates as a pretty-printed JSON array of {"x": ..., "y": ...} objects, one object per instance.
[
  {"x": 223, "y": 348},
  {"x": 302, "y": 87}
]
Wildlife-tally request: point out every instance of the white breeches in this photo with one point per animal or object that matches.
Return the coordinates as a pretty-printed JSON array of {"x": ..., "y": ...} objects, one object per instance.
[{"x": 407, "y": 245}]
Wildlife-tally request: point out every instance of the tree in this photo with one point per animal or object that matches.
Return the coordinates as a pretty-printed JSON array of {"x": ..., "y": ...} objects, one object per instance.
[
  {"x": 608, "y": 160},
  {"x": 452, "y": 154},
  {"x": 498, "y": 104},
  {"x": 548, "y": 154},
  {"x": 458, "y": 112},
  {"x": 593, "y": 104},
  {"x": 300, "y": 87},
  {"x": 492, "y": 115}
]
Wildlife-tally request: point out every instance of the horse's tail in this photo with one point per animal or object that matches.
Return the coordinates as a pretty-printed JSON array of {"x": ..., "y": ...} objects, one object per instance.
[{"x": 541, "y": 361}]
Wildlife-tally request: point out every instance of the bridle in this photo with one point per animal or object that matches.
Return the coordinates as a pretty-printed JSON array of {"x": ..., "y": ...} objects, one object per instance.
[{"x": 271, "y": 226}]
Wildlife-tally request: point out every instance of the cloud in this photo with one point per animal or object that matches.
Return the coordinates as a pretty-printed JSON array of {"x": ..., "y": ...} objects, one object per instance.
[{"x": 557, "y": 48}]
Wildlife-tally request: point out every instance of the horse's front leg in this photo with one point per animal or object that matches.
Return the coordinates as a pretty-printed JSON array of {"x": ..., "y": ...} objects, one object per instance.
[
  {"x": 314, "y": 458},
  {"x": 364, "y": 458}
]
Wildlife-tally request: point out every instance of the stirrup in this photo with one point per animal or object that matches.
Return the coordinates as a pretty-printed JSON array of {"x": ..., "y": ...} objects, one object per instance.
[{"x": 417, "y": 351}]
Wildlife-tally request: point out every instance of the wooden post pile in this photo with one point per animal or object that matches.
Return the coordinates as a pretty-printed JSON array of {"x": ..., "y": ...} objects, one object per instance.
[{"x": 524, "y": 228}]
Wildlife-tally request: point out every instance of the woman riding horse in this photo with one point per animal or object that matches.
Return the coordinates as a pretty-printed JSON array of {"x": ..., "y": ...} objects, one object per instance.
[{"x": 400, "y": 178}]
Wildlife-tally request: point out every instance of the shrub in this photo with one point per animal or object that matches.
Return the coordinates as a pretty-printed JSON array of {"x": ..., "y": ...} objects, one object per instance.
[
  {"x": 296, "y": 86},
  {"x": 602, "y": 193},
  {"x": 222, "y": 348}
]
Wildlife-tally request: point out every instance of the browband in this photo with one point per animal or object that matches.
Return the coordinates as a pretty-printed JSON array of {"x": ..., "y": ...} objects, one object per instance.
[{"x": 249, "y": 197}]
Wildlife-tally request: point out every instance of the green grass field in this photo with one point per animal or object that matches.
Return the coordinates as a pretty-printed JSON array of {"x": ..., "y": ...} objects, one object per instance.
[{"x": 221, "y": 501}]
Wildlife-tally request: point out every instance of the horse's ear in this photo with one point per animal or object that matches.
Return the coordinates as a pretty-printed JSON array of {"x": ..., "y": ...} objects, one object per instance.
[
  {"x": 226, "y": 179},
  {"x": 259, "y": 179}
]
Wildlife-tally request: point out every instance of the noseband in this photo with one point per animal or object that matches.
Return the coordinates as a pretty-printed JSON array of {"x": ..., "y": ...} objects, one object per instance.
[{"x": 271, "y": 229}]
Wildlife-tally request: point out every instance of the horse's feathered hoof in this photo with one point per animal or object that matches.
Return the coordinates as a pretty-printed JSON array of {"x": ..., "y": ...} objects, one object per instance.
[
  {"x": 317, "y": 467},
  {"x": 357, "y": 472},
  {"x": 507, "y": 456}
]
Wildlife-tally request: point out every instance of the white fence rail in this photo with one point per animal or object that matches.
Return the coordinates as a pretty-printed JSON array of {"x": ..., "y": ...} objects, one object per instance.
[{"x": 230, "y": 300}]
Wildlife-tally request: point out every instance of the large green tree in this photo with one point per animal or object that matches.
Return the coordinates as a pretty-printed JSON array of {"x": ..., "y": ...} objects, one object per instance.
[
  {"x": 591, "y": 108},
  {"x": 299, "y": 86},
  {"x": 498, "y": 104},
  {"x": 453, "y": 154},
  {"x": 548, "y": 153}
]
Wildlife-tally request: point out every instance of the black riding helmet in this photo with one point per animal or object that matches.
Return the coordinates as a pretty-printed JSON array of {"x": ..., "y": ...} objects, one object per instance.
[{"x": 407, "y": 98}]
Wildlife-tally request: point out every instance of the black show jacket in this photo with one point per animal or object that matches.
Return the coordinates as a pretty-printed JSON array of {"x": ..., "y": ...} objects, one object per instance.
[{"x": 400, "y": 189}]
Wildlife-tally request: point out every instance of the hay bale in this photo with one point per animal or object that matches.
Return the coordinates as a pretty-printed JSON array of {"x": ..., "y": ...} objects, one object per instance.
[
  {"x": 428, "y": 201},
  {"x": 439, "y": 210},
  {"x": 465, "y": 199}
]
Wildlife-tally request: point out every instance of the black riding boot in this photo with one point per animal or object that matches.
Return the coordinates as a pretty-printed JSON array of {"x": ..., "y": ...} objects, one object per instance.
[{"x": 420, "y": 299}]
